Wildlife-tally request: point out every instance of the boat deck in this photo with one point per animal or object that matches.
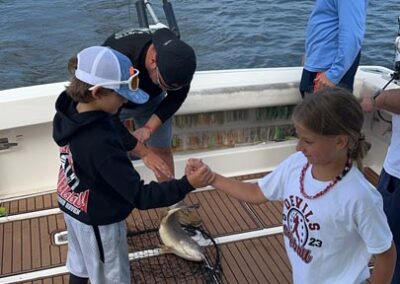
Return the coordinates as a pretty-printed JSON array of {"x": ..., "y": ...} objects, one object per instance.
[{"x": 255, "y": 253}]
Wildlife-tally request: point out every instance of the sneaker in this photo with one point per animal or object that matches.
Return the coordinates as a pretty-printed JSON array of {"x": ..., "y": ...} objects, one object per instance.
[{"x": 189, "y": 217}]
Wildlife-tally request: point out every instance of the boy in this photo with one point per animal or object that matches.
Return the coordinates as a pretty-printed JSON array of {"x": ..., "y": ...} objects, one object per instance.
[{"x": 97, "y": 185}]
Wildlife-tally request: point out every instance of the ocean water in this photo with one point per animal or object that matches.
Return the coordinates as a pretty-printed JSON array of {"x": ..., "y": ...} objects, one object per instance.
[{"x": 38, "y": 37}]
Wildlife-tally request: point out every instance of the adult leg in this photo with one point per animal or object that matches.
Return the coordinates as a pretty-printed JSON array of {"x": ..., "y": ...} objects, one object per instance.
[
  {"x": 389, "y": 187},
  {"x": 347, "y": 80},
  {"x": 306, "y": 86},
  {"x": 73, "y": 279}
]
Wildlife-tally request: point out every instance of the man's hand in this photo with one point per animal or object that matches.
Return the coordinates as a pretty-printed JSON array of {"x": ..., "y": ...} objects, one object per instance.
[
  {"x": 152, "y": 161},
  {"x": 198, "y": 173},
  {"x": 367, "y": 103},
  {"x": 321, "y": 81},
  {"x": 142, "y": 134},
  {"x": 156, "y": 164}
]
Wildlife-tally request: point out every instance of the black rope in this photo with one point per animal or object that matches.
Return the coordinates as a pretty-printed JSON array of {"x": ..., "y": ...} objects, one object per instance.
[{"x": 216, "y": 268}]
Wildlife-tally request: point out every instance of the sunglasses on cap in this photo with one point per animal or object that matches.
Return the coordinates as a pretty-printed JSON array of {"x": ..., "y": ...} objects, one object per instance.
[
  {"x": 163, "y": 85},
  {"x": 132, "y": 82}
]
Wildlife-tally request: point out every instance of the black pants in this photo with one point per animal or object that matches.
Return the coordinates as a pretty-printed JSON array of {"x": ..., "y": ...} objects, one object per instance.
[
  {"x": 389, "y": 187},
  {"x": 73, "y": 279},
  {"x": 347, "y": 82}
]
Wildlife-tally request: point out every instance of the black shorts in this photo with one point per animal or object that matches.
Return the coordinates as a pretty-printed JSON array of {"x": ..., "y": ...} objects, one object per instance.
[{"x": 347, "y": 82}]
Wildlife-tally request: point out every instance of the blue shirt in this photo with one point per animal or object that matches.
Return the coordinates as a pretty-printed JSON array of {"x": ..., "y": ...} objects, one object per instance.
[{"x": 334, "y": 36}]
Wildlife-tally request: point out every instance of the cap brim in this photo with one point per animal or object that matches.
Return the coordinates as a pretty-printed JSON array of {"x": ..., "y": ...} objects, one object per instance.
[{"x": 137, "y": 97}]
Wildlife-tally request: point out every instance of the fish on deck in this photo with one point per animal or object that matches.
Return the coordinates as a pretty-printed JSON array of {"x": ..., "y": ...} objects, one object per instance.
[{"x": 175, "y": 240}]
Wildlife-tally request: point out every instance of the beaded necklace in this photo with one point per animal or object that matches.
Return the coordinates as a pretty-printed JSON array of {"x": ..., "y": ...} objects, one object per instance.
[{"x": 346, "y": 169}]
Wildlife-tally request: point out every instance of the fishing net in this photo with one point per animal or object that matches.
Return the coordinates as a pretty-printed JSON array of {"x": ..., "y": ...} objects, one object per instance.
[{"x": 149, "y": 266}]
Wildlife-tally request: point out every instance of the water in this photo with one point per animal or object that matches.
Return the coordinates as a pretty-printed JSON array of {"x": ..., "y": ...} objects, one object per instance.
[{"x": 38, "y": 37}]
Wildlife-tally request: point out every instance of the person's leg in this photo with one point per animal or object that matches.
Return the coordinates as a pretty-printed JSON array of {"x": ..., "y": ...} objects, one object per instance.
[
  {"x": 116, "y": 259},
  {"x": 347, "y": 80},
  {"x": 306, "y": 86},
  {"x": 73, "y": 279},
  {"x": 389, "y": 187},
  {"x": 75, "y": 262}
]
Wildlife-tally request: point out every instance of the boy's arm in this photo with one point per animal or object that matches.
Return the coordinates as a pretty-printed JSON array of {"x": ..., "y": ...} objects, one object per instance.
[
  {"x": 384, "y": 266},
  {"x": 248, "y": 192}
]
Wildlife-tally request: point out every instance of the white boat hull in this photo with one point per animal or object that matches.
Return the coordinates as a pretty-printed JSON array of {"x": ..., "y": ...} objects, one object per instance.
[{"x": 26, "y": 116}]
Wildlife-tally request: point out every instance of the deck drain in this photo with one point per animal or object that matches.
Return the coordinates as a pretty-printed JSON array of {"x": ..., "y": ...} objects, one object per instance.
[{"x": 61, "y": 238}]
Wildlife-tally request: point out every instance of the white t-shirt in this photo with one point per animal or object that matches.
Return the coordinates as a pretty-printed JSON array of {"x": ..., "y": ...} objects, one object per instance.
[
  {"x": 329, "y": 239},
  {"x": 392, "y": 160}
]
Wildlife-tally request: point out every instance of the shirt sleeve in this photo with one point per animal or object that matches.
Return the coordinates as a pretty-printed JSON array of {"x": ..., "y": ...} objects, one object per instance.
[
  {"x": 374, "y": 230},
  {"x": 171, "y": 103},
  {"x": 273, "y": 184},
  {"x": 352, "y": 17}
]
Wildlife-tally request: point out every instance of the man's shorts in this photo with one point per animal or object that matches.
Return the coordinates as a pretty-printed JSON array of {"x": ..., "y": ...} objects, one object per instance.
[
  {"x": 86, "y": 252},
  {"x": 347, "y": 82},
  {"x": 140, "y": 114}
]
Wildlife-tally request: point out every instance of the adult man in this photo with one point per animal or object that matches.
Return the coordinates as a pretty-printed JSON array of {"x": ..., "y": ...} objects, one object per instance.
[
  {"x": 334, "y": 36},
  {"x": 389, "y": 180},
  {"x": 166, "y": 66}
]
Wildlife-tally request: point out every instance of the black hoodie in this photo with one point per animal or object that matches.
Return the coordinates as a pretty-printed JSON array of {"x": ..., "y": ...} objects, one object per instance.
[{"x": 97, "y": 183}]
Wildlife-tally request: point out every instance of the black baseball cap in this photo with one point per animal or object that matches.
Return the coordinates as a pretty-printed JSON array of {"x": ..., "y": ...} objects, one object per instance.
[{"x": 176, "y": 60}]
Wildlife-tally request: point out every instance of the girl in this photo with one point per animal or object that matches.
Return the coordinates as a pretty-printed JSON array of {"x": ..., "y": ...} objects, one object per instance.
[{"x": 333, "y": 218}]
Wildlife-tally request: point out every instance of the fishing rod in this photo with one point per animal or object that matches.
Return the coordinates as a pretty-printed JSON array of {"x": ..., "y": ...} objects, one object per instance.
[{"x": 143, "y": 5}]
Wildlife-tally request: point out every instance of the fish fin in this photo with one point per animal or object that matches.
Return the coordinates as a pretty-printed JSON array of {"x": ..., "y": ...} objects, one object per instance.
[
  {"x": 164, "y": 249},
  {"x": 163, "y": 213}
]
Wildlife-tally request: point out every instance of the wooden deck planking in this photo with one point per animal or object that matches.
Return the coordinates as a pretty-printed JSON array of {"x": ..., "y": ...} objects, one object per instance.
[
  {"x": 222, "y": 214},
  {"x": 27, "y": 245},
  {"x": 31, "y": 204},
  {"x": 249, "y": 261},
  {"x": 6, "y": 265},
  {"x": 62, "y": 279},
  {"x": 17, "y": 246}
]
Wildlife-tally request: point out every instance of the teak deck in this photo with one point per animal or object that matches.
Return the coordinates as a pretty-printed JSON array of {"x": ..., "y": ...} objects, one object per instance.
[{"x": 28, "y": 245}]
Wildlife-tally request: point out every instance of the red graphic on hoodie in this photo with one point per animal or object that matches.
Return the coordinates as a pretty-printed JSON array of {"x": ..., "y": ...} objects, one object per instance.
[{"x": 68, "y": 182}]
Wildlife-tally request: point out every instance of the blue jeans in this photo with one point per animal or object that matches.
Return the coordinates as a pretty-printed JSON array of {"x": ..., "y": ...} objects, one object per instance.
[{"x": 389, "y": 187}]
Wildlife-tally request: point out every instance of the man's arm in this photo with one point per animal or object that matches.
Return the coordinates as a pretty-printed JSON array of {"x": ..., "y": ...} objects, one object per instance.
[
  {"x": 167, "y": 108},
  {"x": 387, "y": 100},
  {"x": 131, "y": 144},
  {"x": 171, "y": 103},
  {"x": 352, "y": 17},
  {"x": 152, "y": 161}
]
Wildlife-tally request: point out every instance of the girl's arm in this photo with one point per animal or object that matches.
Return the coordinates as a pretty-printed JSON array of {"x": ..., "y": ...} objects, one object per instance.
[
  {"x": 248, "y": 192},
  {"x": 384, "y": 266}
]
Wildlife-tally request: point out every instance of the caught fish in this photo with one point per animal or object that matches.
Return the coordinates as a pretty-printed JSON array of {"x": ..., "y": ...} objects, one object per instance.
[{"x": 176, "y": 240}]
